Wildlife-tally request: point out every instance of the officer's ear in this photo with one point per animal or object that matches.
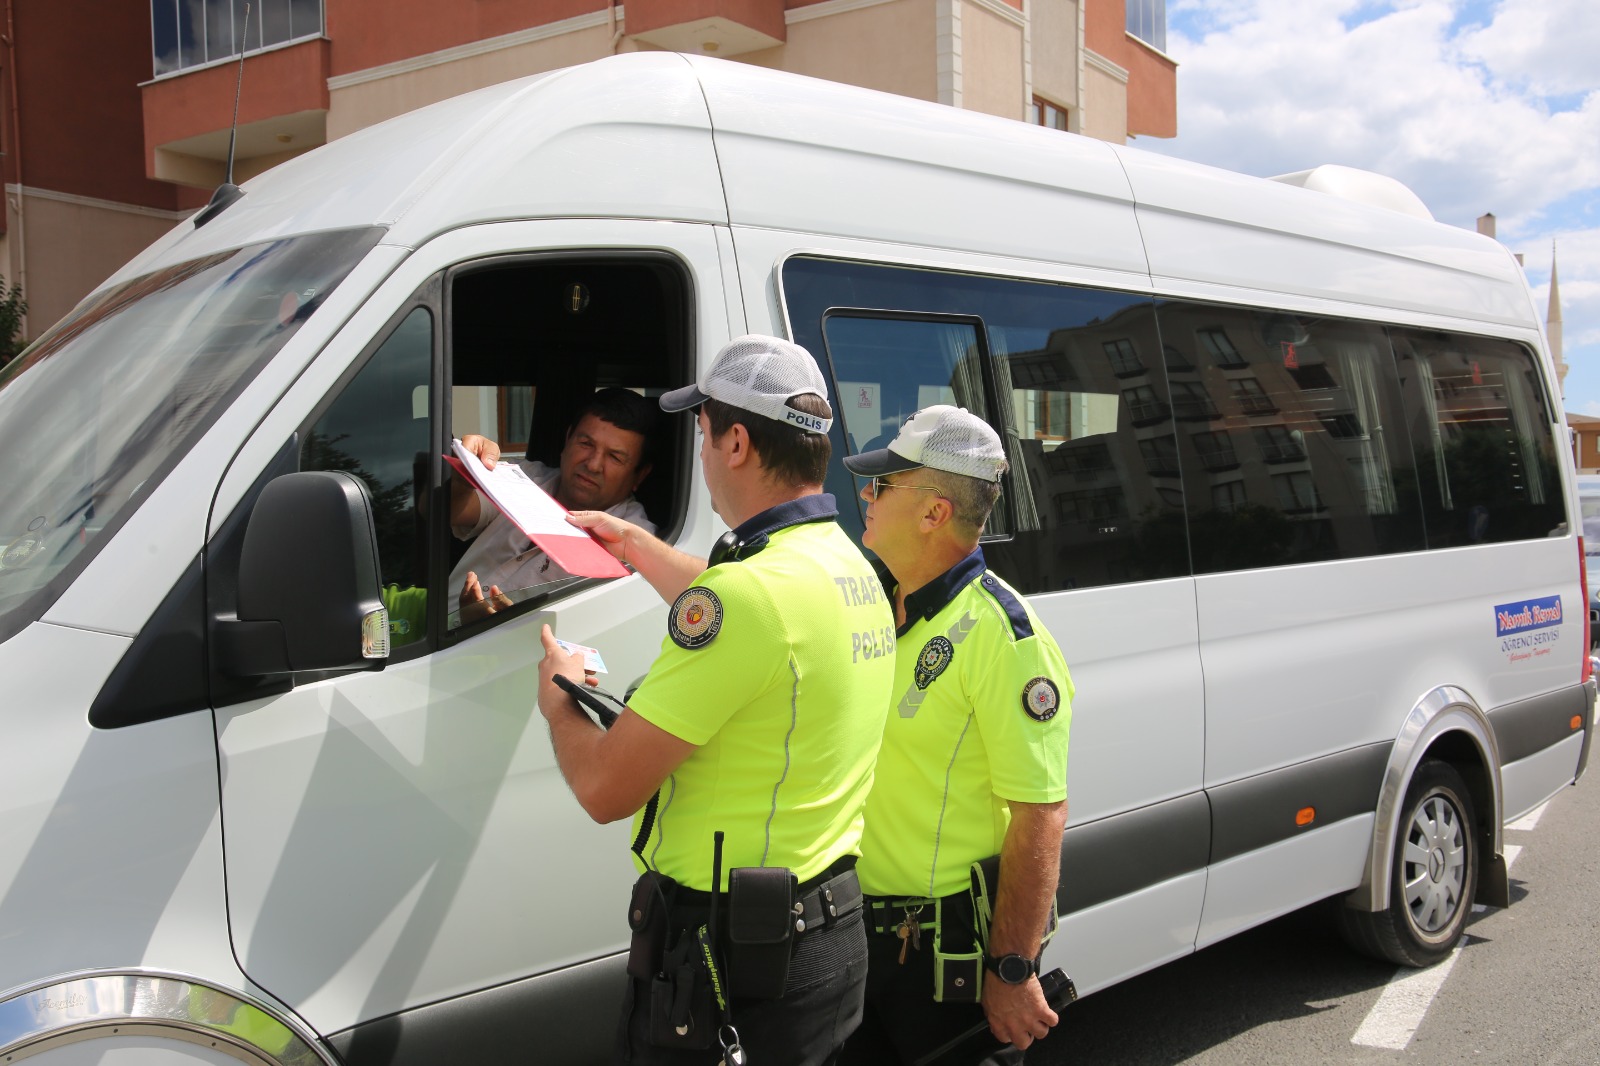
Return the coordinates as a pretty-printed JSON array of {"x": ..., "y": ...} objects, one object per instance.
[
  {"x": 735, "y": 445},
  {"x": 937, "y": 513}
]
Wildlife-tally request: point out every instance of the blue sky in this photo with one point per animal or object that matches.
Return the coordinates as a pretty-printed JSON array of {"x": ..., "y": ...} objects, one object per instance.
[{"x": 1477, "y": 105}]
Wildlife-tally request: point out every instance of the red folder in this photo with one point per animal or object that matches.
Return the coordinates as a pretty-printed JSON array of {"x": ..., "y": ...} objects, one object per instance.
[{"x": 578, "y": 553}]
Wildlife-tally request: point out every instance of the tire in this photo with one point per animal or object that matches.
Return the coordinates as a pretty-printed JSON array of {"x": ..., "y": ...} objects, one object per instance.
[{"x": 1433, "y": 875}]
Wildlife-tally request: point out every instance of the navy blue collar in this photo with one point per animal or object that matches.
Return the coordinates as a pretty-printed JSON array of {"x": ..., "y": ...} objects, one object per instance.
[
  {"x": 936, "y": 595},
  {"x": 814, "y": 508}
]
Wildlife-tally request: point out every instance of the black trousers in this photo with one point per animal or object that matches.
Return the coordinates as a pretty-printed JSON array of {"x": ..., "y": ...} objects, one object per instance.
[
  {"x": 902, "y": 1023},
  {"x": 821, "y": 1005}
]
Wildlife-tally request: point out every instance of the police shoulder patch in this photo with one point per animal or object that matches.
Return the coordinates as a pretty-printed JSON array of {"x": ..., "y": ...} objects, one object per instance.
[
  {"x": 935, "y": 656},
  {"x": 1041, "y": 699},
  {"x": 696, "y": 618}
]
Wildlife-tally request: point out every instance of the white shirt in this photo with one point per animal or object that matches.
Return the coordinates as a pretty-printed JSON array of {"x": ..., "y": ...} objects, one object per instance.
[{"x": 503, "y": 555}]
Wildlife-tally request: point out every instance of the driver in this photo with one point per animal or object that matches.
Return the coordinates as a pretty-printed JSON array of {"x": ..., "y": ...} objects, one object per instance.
[{"x": 607, "y": 455}]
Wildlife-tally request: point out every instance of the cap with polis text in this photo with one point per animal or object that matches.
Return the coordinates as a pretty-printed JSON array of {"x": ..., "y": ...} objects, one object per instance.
[
  {"x": 760, "y": 375},
  {"x": 941, "y": 437}
]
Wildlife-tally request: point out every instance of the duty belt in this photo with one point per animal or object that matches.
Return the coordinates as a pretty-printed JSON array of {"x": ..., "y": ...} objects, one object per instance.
[
  {"x": 814, "y": 907},
  {"x": 886, "y": 914}
]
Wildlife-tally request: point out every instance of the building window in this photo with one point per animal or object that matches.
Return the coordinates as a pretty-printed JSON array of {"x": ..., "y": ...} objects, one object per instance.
[
  {"x": 1221, "y": 348},
  {"x": 1044, "y": 113},
  {"x": 1147, "y": 20},
  {"x": 192, "y": 33},
  {"x": 1124, "y": 357}
]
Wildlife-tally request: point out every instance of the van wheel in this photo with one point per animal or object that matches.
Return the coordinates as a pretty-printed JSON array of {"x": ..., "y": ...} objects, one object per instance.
[{"x": 1432, "y": 878}]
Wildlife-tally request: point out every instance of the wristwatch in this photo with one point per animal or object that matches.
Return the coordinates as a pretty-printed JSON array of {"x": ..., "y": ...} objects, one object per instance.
[{"x": 1012, "y": 969}]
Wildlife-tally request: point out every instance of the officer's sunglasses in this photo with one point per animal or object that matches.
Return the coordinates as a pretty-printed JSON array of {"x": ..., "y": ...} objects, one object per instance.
[{"x": 876, "y": 486}]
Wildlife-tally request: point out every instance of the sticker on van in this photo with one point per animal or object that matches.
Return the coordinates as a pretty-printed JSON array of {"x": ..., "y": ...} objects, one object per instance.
[{"x": 1519, "y": 624}]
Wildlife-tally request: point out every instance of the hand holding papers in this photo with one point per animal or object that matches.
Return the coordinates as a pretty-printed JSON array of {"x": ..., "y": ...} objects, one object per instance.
[{"x": 540, "y": 517}]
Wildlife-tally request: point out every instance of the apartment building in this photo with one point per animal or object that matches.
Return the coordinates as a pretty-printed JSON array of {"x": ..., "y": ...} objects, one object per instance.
[{"x": 119, "y": 113}]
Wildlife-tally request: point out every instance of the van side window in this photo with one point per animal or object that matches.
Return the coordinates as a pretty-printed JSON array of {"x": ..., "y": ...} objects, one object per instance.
[
  {"x": 1292, "y": 445},
  {"x": 1486, "y": 461},
  {"x": 1082, "y": 405},
  {"x": 535, "y": 344},
  {"x": 378, "y": 429},
  {"x": 888, "y": 368}
]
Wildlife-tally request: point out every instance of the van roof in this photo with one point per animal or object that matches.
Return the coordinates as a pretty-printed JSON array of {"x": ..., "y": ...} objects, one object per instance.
[{"x": 661, "y": 135}]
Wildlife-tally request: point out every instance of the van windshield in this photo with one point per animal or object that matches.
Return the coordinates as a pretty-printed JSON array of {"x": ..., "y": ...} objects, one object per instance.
[{"x": 99, "y": 409}]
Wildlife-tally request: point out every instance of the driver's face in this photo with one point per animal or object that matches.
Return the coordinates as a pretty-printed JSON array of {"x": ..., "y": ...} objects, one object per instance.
[{"x": 599, "y": 465}]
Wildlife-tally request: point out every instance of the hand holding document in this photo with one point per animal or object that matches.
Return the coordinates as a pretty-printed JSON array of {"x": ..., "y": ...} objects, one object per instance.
[{"x": 538, "y": 515}]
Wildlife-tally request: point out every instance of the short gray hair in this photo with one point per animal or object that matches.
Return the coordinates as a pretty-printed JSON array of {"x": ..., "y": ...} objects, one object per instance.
[{"x": 972, "y": 498}]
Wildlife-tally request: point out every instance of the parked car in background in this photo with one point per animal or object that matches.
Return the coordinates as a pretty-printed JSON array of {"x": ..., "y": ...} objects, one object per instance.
[{"x": 1589, "y": 508}]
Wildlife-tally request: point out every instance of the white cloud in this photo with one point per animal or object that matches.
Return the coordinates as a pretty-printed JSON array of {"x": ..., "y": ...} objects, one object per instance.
[{"x": 1547, "y": 45}]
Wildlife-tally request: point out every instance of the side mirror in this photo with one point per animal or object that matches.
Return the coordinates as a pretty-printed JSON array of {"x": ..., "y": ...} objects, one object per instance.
[{"x": 309, "y": 597}]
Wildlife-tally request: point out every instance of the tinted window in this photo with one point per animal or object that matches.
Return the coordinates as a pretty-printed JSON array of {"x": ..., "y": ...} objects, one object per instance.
[
  {"x": 1080, "y": 399},
  {"x": 1486, "y": 463},
  {"x": 1290, "y": 440},
  {"x": 378, "y": 429}
]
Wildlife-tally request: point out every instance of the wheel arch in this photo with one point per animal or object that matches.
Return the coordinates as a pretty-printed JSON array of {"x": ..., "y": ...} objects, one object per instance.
[
  {"x": 99, "y": 1004},
  {"x": 1445, "y": 724}
]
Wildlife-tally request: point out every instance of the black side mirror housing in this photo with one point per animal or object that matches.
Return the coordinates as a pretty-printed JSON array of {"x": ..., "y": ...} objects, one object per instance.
[{"x": 309, "y": 598}]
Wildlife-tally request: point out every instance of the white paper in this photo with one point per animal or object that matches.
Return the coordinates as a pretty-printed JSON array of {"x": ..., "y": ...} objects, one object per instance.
[{"x": 514, "y": 492}]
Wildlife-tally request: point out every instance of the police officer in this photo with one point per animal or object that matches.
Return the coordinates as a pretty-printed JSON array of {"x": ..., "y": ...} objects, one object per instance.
[
  {"x": 974, "y": 757},
  {"x": 759, "y": 721}
]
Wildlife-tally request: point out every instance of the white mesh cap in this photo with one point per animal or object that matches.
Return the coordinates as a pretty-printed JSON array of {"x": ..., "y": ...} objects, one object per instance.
[
  {"x": 758, "y": 374},
  {"x": 942, "y": 437}
]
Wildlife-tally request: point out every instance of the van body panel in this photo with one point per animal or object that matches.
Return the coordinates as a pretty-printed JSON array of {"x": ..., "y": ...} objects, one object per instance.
[
  {"x": 1526, "y": 783},
  {"x": 1202, "y": 224},
  {"x": 788, "y": 163},
  {"x": 1129, "y": 935},
  {"x": 1272, "y": 639},
  {"x": 1136, "y": 667},
  {"x": 110, "y": 844},
  {"x": 1258, "y": 886}
]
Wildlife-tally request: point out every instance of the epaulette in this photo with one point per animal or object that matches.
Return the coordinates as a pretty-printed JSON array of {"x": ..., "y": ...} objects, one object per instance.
[{"x": 1021, "y": 625}]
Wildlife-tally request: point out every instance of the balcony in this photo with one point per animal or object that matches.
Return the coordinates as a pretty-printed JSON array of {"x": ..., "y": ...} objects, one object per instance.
[{"x": 709, "y": 27}]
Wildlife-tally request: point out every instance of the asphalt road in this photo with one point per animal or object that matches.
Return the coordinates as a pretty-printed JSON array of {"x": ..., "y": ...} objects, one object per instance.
[{"x": 1522, "y": 989}]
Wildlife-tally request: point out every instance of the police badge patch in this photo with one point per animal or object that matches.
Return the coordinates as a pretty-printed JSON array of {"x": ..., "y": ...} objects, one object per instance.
[
  {"x": 696, "y": 618},
  {"x": 1041, "y": 699},
  {"x": 935, "y": 656}
]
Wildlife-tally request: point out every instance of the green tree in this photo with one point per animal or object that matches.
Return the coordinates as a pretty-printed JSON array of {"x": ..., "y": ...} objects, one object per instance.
[{"x": 12, "y": 308}]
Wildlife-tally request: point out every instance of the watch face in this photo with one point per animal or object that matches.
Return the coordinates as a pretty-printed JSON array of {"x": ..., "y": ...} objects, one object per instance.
[{"x": 1014, "y": 969}]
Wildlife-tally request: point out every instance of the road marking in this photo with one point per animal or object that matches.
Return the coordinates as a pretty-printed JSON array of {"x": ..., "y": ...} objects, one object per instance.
[
  {"x": 1394, "y": 1019},
  {"x": 1531, "y": 819}
]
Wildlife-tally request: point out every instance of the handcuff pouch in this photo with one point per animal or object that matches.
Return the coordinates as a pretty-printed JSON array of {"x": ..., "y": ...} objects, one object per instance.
[
  {"x": 681, "y": 1011},
  {"x": 761, "y": 929},
  {"x": 647, "y": 917}
]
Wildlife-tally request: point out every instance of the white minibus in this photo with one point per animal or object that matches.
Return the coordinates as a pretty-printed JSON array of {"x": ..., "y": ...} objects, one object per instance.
[{"x": 1287, "y": 484}]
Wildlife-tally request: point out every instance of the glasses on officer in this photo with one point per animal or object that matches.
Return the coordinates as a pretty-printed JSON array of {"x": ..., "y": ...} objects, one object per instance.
[{"x": 874, "y": 488}]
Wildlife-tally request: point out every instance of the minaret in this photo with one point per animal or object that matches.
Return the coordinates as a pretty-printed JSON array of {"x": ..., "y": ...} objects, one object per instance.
[{"x": 1552, "y": 323}]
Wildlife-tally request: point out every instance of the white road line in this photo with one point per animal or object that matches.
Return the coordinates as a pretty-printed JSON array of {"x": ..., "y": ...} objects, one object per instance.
[
  {"x": 1394, "y": 1019},
  {"x": 1531, "y": 819}
]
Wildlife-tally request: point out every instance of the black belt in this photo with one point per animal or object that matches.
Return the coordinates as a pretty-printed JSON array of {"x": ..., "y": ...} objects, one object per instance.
[{"x": 825, "y": 898}]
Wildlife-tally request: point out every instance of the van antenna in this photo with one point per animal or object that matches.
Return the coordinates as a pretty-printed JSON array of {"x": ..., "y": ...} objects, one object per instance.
[
  {"x": 238, "y": 87},
  {"x": 228, "y": 192}
]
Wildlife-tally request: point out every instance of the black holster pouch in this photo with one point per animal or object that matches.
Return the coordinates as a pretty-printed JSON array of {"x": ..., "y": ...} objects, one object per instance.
[
  {"x": 761, "y": 928},
  {"x": 681, "y": 1011},
  {"x": 647, "y": 917}
]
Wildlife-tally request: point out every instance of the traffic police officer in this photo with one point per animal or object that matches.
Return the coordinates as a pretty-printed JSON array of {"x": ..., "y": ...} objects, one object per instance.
[
  {"x": 974, "y": 757},
  {"x": 759, "y": 723}
]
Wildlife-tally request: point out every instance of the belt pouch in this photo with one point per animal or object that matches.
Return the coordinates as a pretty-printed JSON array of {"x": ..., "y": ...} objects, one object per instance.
[
  {"x": 761, "y": 926},
  {"x": 647, "y": 917},
  {"x": 985, "y": 876},
  {"x": 680, "y": 999},
  {"x": 957, "y": 956}
]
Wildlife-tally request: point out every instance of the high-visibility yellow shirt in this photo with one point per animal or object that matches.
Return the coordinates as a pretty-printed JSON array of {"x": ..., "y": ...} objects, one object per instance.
[
  {"x": 980, "y": 715},
  {"x": 776, "y": 667}
]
